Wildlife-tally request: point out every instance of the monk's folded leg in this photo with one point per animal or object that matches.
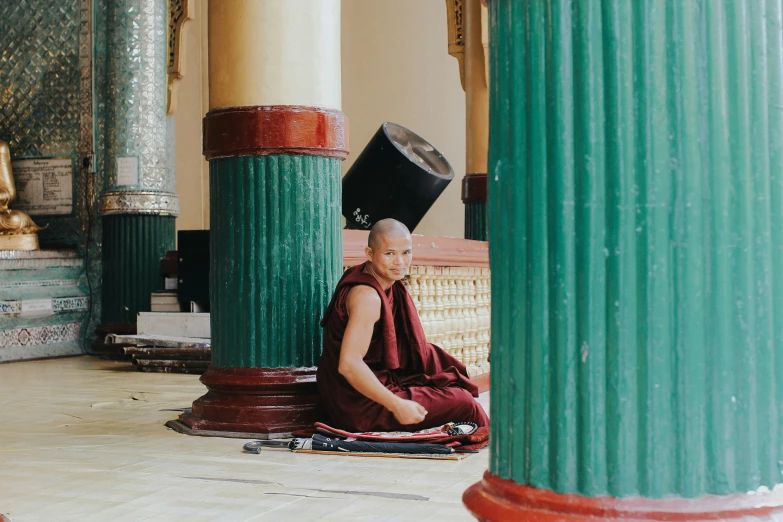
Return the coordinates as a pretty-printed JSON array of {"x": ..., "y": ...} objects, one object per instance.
[
  {"x": 443, "y": 405},
  {"x": 451, "y": 404}
]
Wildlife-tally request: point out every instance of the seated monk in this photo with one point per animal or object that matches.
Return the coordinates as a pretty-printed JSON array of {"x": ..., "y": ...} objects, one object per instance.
[{"x": 377, "y": 370}]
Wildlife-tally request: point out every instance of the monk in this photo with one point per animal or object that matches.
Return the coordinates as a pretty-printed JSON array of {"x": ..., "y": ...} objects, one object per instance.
[{"x": 377, "y": 370}]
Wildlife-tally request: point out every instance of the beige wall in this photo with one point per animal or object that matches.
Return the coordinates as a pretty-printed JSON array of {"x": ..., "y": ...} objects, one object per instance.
[
  {"x": 395, "y": 67},
  {"x": 192, "y": 173}
]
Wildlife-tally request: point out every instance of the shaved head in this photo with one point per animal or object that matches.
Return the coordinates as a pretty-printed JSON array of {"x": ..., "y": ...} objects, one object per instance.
[{"x": 386, "y": 228}]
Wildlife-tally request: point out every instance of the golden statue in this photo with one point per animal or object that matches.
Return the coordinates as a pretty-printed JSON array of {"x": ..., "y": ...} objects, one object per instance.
[{"x": 17, "y": 229}]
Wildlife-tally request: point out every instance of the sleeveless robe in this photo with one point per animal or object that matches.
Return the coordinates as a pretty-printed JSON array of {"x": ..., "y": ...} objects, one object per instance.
[{"x": 402, "y": 360}]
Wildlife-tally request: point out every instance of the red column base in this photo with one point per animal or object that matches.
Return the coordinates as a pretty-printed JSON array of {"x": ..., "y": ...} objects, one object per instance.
[
  {"x": 254, "y": 403},
  {"x": 495, "y": 499}
]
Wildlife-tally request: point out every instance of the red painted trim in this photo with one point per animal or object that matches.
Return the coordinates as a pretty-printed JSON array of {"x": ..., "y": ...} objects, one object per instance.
[
  {"x": 256, "y": 400},
  {"x": 495, "y": 499},
  {"x": 474, "y": 188},
  {"x": 427, "y": 250},
  {"x": 482, "y": 381},
  {"x": 279, "y": 129}
]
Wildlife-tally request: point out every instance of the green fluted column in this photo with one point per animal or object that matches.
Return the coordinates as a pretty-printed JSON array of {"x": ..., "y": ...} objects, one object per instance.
[
  {"x": 636, "y": 245},
  {"x": 476, "y": 220},
  {"x": 276, "y": 256},
  {"x": 132, "y": 249},
  {"x": 139, "y": 203}
]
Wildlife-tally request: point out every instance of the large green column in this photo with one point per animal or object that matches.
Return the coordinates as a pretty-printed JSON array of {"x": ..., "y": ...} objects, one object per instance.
[
  {"x": 139, "y": 204},
  {"x": 636, "y": 245},
  {"x": 275, "y": 139}
]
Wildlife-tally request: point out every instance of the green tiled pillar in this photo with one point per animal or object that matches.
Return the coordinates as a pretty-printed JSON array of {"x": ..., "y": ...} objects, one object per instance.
[{"x": 139, "y": 203}]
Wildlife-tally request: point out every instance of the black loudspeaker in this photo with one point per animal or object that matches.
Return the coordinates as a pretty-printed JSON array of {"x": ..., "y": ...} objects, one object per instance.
[
  {"x": 398, "y": 175},
  {"x": 193, "y": 267}
]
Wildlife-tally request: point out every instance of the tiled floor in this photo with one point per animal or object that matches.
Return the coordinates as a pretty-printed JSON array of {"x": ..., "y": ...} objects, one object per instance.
[{"x": 83, "y": 439}]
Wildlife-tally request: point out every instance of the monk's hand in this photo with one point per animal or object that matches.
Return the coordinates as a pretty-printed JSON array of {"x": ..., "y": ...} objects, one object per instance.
[{"x": 409, "y": 412}]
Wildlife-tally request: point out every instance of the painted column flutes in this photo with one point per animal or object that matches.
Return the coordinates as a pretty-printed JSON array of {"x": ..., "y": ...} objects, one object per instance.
[{"x": 636, "y": 247}]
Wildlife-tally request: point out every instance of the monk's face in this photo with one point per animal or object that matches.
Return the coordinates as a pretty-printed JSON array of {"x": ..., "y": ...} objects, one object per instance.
[{"x": 393, "y": 256}]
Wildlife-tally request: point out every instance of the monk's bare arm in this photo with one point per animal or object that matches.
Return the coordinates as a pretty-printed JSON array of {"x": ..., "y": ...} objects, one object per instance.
[{"x": 364, "y": 310}]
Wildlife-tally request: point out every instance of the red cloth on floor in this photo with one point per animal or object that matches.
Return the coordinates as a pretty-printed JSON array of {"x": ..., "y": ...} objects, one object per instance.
[
  {"x": 476, "y": 440},
  {"x": 402, "y": 359}
]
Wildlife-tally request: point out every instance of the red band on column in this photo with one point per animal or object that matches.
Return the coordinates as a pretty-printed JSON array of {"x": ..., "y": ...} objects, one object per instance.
[
  {"x": 474, "y": 188},
  {"x": 277, "y": 129},
  {"x": 495, "y": 499}
]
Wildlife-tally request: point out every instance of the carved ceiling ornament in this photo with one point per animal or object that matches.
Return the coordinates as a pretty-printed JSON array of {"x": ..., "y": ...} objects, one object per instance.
[
  {"x": 485, "y": 38},
  {"x": 17, "y": 229},
  {"x": 456, "y": 35},
  {"x": 180, "y": 11}
]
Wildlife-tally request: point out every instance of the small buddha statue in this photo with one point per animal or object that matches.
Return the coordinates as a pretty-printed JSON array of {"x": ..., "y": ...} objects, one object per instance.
[{"x": 17, "y": 229}]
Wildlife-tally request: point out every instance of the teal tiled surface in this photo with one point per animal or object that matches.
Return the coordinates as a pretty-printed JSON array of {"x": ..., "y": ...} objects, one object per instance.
[{"x": 44, "y": 275}]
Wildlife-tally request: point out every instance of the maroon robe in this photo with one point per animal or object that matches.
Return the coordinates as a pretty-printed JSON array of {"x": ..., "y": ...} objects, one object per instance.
[{"x": 401, "y": 358}]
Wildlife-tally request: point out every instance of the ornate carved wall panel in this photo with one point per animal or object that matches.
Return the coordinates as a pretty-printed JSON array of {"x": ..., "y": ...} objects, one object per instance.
[{"x": 180, "y": 11}]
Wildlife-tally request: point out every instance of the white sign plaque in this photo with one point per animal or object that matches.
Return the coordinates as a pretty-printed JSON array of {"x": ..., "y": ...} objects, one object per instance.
[
  {"x": 44, "y": 186},
  {"x": 36, "y": 307},
  {"x": 128, "y": 170}
]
